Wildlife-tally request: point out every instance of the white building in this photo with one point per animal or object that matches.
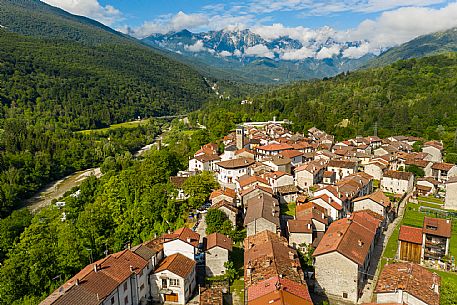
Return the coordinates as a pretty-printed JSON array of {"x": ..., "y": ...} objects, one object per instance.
[
  {"x": 450, "y": 202},
  {"x": 183, "y": 241},
  {"x": 229, "y": 171},
  {"x": 174, "y": 280},
  {"x": 342, "y": 168},
  {"x": 397, "y": 182}
]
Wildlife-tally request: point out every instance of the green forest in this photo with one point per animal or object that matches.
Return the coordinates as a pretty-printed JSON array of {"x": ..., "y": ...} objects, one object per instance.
[{"x": 411, "y": 97}]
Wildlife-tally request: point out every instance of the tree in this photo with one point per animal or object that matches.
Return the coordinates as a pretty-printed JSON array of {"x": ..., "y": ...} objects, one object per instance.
[
  {"x": 216, "y": 221},
  {"x": 417, "y": 171},
  {"x": 230, "y": 271},
  {"x": 199, "y": 187}
]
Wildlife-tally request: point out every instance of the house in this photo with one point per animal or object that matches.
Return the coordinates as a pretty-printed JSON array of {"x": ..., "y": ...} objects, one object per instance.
[
  {"x": 271, "y": 150},
  {"x": 332, "y": 207},
  {"x": 253, "y": 192},
  {"x": 177, "y": 182},
  {"x": 342, "y": 258},
  {"x": 223, "y": 194},
  {"x": 300, "y": 232},
  {"x": 229, "y": 171},
  {"x": 287, "y": 194},
  {"x": 309, "y": 174},
  {"x": 279, "y": 179},
  {"x": 436, "y": 238},
  {"x": 244, "y": 153},
  {"x": 408, "y": 283},
  {"x": 295, "y": 156},
  {"x": 174, "y": 280},
  {"x": 342, "y": 168},
  {"x": 183, "y": 241},
  {"x": 247, "y": 181},
  {"x": 228, "y": 209},
  {"x": 315, "y": 213},
  {"x": 426, "y": 166},
  {"x": 410, "y": 244},
  {"x": 329, "y": 178},
  {"x": 203, "y": 162},
  {"x": 443, "y": 171},
  {"x": 279, "y": 291},
  {"x": 119, "y": 278},
  {"x": 229, "y": 153},
  {"x": 426, "y": 186},
  {"x": 434, "y": 148},
  {"x": 450, "y": 201},
  {"x": 278, "y": 163},
  {"x": 217, "y": 250},
  {"x": 376, "y": 202},
  {"x": 397, "y": 182},
  {"x": 262, "y": 213}
]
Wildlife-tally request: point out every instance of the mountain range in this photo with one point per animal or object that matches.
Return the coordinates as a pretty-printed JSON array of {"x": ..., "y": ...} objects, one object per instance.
[
  {"x": 245, "y": 55},
  {"x": 250, "y": 57}
]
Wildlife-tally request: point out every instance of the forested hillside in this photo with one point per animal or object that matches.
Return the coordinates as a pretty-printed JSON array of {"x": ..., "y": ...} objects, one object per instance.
[{"x": 412, "y": 97}]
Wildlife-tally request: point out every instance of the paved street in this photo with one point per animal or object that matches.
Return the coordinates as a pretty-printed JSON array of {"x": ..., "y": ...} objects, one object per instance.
[{"x": 201, "y": 228}]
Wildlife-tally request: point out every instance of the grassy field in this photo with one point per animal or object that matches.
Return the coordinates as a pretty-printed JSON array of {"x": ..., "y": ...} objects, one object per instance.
[
  {"x": 132, "y": 124},
  {"x": 430, "y": 199},
  {"x": 288, "y": 209}
]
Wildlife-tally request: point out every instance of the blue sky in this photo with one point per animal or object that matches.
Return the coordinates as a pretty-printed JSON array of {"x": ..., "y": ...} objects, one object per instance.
[{"x": 382, "y": 22}]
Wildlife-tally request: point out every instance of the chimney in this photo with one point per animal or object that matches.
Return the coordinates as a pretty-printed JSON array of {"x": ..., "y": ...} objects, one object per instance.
[
  {"x": 189, "y": 240},
  {"x": 291, "y": 255},
  {"x": 131, "y": 269},
  {"x": 360, "y": 243},
  {"x": 96, "y": 268},
  {"x": 77, "y": 282}
]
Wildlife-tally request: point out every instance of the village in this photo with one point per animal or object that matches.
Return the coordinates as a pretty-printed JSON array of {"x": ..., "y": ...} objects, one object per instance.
[{"x": 326, "y": 222}]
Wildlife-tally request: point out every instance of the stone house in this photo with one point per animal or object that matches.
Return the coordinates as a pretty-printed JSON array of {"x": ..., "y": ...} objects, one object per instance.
[
  {"x": 408, "y": 283},
  {"x": 434, "y": 148},
  {"x": 300, "y": 232},
  {"x": 342, "y": 258},
  {"x": 248, "y": 181},
  {"x": 378, "y": 203},
  {"x": 279, "y": 179},
  {"x": 223, "y": 194},
  {"x": 174, "y": 280},
  {"x": 375, "y": 169},
  {"x": 309, "y": 174},
  {"x": 217, "y": 250},
  {"x": 397, "y": 182},
  {"x": 287, "y": 194},
  {"x": 253, "y": 192},
  {"x": 295, "y": 156},
  {"x": 262, "y": 213},
  {"x": 278, "y": 163},
  {"x": 443, "y": 171}
]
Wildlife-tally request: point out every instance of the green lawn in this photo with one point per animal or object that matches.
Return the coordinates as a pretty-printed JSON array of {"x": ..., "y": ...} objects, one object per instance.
[
  {"x": 288, "y": 209},
  {"x": 430, "y": 199},
  {"x": 132, "y": 124},
  {"x": 237, "y": 257}
]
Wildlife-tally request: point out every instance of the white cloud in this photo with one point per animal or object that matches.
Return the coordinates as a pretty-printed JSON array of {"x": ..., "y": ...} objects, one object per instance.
[
  {"x": 107, "y": 14},
  {"x": 225, "y": 54},
  {"x": 357, "y": 52},
  {"x": 297, "y": 54},
  {"x": 259, "y": 50},
  {"x": 237, "y": 53},
  {"x": 197, "y": 47},
  {"x": 328, "y": 52},
  {"x": 401, "y": 25}
]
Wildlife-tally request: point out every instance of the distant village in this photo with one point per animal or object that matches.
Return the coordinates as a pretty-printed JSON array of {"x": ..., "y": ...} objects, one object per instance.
[{"x": 294, "y": 194}]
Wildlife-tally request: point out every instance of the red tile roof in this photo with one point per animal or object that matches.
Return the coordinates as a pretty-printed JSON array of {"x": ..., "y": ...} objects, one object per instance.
[
  {"x": 437, "y": 226},
  {"x": 247, "y": 180},
  {"x": 328, "y": 200},
  {"x": 269, "y": 285},
  {"x": 236, "y": 163},
  {"x": 443, "y": 166},
  {"x": 218, "y": 240},
  {"x": 378, "y": 196},
  {"x": 397, "y": 175},
  {"x": 410, "y": 234},
  {"x": 185, "y": 234},
  {"x": 224, "y": 191},
  {"x": 411, "y": 278},
  {"x": 291, "y": 153},
  {"x": 274, "y": 147},
  {"x": 178, "y": 264},
  {"x": 300, "y": 226}
]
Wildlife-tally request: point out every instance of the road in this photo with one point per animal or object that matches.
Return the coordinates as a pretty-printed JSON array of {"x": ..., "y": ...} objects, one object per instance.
[{"x": 378, "y": 252}]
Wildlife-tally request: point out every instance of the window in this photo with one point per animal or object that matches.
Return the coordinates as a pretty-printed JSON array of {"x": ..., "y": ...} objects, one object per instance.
[
  {"x": 345, "y": 295},
  {"x": 126, "y": 300},
  {"x": 174, "y": 282},
  {"x": 141, "y": 287},
  {"x": 112, "y": 300},
  {"x": 125, "y": 286},
  {"x": 164, "y": 283}
]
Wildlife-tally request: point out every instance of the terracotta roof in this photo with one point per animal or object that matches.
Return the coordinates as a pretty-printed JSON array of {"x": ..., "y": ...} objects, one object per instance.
[
  {"x": 411, "y": 278},
  {"x": 276, "y": 174},
  {"x": 239, "y": 151},
  {"x": 347, "y": 237},
  {"x": 378, "y": 196},
  {"x": 342, "y": 164},
  {"x": 269, "y": 285},
  {"x": 185, "y": 234},
  {"x": 287, "y": 189},
  {"x": 443, "y": 166},
  {"x": 236, "y": 163},
  {"x": 259, "y": 188},
  {"x": 211, "y": 296},
  {"x": 262, "y": 206},
  {"x": 291, "y": 153},
  {"x": 437, "y": 226},
  {"x": 418, "y": 163},
  {"x": 225, "y": 204},
  {"x": 247, "y": 180},
  {"x": 207, "y": 158},
  {"x": 223, "y": 191},
  {"x": 280, "y": 297},
  {"x": 430, "y": 180},
  {"x": 145, "y": 252},
  {"x": 311, "y": 211},
  {"x": 435, "y": 144},
  {"x": 328, "y": 200},
  {"x": 278, "y": 160},
  {"x": 300, "y": 226},
  {"x": 397, "y": 175},
  {"x": 274, "y": 147},
  {"x": 218, "y": 240},
  {"x": 312, "y": 167},
  {"x": 410, "y": 234},
  {"x": 178, "y": 264}
]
